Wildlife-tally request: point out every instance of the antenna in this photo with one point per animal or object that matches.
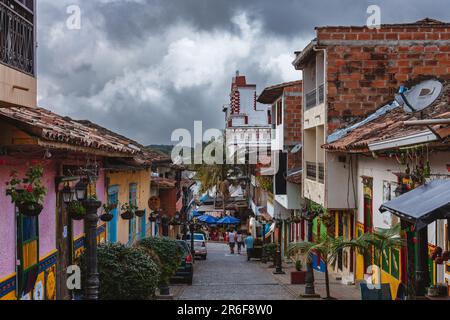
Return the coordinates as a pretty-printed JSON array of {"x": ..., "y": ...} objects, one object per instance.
[
  {"x": 420, "y": 96},
  {"x": 297, "y": 148}
]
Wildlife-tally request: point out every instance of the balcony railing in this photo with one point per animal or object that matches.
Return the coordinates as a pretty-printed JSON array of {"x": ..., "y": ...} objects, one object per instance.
[
  {"x": 311, "y": 99},
  {"x": 311, "y": 171},
  {"x": 315, "y": 171},
  {"x": 321, "y": 172},
  {"x": 321, "y": 94},
  {"x": 16, "y": 40},
  {"x": 315, "y": 97}
]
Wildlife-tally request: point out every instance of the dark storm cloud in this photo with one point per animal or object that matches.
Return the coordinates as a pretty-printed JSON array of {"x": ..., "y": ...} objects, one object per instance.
[{"x": 147, "y": 67}]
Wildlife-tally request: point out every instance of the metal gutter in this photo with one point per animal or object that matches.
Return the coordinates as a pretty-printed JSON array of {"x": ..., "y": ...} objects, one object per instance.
[{"x": 423, "y": 137}]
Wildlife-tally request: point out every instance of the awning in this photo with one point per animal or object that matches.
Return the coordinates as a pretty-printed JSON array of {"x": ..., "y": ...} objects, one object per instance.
[
  {"x": 270, "y": 229},
  {"x": 423, "y": 205}
]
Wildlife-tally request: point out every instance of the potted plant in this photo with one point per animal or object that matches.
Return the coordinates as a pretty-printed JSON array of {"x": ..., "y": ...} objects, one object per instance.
[
  {"x": 298, "y": 276},
  {"x": 76, "y": 210},
  {"x": 128, "y": 211},
  {"x": 107, "y": 216},
  {"x": 433, "y": 291},
  {"x": 140, "y": 213},
  {"x": 29, "y": 198}
]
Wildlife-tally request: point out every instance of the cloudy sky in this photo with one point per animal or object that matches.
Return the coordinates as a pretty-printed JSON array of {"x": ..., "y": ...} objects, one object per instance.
[{"x": 146, "y": 67}]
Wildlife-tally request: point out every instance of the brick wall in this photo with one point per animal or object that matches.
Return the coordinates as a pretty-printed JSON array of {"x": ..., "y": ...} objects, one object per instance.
[
  {"x": 366, "y": 67},
  {"x": 293, "y": 122}
]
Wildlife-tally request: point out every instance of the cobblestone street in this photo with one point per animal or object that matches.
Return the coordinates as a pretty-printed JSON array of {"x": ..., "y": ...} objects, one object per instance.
[{"x": 230, "y": 277}]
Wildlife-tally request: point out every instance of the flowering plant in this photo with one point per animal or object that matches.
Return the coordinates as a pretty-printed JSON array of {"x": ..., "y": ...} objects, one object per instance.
[
  {"x": 107, "y": 208},
  {"x": 28, "y": 190},
  {"x": 76, "y": 209},
  {"x": 128, "y": 207}
]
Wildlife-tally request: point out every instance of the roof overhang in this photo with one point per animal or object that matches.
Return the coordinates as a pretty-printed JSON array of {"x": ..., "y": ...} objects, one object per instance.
[{"x": 303, "y": 57}]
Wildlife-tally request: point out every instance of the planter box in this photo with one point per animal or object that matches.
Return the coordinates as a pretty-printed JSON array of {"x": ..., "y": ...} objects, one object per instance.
[{"x": 298, "y": 277}]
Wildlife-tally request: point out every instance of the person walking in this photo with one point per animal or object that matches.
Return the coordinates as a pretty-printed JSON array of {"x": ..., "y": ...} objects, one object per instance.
[
  {"x": 240, "y": 241},
  {"x": 232, "y": 240},
  {"x": 249, "y": 244}
]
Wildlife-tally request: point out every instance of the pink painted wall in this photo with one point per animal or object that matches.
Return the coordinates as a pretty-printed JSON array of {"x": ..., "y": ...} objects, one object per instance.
[
  {"x": 47, "y": 219},
  {"x": 78, "y": 226}
]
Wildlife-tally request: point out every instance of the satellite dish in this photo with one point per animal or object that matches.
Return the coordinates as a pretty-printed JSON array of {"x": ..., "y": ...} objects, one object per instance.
[
  {"x": 420, "y": 96},
  {"x": 297, "y": 148}
]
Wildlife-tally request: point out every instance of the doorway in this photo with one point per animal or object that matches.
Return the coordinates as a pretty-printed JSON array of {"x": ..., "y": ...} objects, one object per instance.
[
  {"x": 368, "y": 217},
  {"x": 64, "y": 236}
]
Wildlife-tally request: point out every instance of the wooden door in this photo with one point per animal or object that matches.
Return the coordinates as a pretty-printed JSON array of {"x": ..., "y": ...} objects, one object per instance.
[{"x": 64, "y": 246}]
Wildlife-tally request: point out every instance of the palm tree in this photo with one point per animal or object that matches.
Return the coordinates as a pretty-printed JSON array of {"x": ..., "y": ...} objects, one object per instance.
[
  {"x": 382, "y": 241},
  {"x": 327, "y": 248}
]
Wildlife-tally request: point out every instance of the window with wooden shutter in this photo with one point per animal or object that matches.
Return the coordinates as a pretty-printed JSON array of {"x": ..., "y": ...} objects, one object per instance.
[{"x": 27, "y": 252}]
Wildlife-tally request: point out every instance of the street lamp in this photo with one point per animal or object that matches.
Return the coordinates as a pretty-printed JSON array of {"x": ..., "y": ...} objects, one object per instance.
[
  {"x": 90, "y": 228},
  {"x": 165, "y": 225},
  {"x": 309, "y": 216},
  {"x": 279, "y": 264},
  {"x": 67, "y": 194},
  {"x": 81, "y": 190}
]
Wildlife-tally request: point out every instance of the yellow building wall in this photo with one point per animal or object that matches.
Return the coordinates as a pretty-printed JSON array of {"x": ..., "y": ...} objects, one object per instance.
[
  {"x": 386, "y": 277},
  {"x": 123, "y": 180}
]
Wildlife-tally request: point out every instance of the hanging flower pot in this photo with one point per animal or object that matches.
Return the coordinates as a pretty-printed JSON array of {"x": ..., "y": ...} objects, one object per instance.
[
  {"x": 30, "y": 209},
  {"x": 27, "y": 193},
  {"x": 127, "y": 215},
  {"x": 128, "y": 211},
  {"x": 76, "y": 210},
  {"x": 106, "y": 217},
  {"x": 140, "y": 213}
]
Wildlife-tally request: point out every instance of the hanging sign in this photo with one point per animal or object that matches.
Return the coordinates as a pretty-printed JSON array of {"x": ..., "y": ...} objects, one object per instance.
[{"x": 154, "y": 203}]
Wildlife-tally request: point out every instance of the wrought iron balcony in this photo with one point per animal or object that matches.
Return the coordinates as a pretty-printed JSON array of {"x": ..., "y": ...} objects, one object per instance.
[
  {"x": 311, "y": 171},
  {"x": 315, "y": 97},
  {"x": 17, "y": 36},
  {"x": 321, "y": 172},
  {"x": 311, "y": 99},
  {"x": 315, "y": 171}
]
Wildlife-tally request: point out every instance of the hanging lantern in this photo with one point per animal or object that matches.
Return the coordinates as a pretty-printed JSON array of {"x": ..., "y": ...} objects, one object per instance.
[
  {"x": 81, "y": 190},
  {"x": 67, "y": 194}
]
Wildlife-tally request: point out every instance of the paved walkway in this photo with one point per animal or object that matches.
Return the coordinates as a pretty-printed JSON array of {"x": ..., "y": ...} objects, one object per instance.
[
  {"x": 230, "y": 277},
  {"x": 337, "y": 289}
]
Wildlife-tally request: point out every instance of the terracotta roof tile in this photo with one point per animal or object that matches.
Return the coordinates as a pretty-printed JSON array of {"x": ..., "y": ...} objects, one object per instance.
[
  {"x": 390, "y": 126},
  {"x": 271, "y": 94},
  {"x": 164, "y": 182},
  {"x": 46, "y": 125}
]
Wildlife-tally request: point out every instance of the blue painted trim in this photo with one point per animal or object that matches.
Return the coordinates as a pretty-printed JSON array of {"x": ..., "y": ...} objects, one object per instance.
[
  {"x": 7, "y": 286},
  {"x": 78, "y": 244},
  {"x": 48, "y": 262}
]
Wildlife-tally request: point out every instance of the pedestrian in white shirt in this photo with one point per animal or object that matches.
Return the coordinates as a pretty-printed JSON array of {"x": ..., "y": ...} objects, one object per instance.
[{"x": 232, "y": 240}]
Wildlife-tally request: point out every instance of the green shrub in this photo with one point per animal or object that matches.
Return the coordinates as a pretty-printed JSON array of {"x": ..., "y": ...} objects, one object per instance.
[
  {"x": 125, "y": 273},
  {"x": 270, "y": 249},
  {"x": 169, "y": 253}
]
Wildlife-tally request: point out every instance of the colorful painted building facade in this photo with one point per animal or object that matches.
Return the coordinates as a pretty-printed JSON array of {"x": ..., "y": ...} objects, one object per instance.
[{"x": 36, "y": 251}]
